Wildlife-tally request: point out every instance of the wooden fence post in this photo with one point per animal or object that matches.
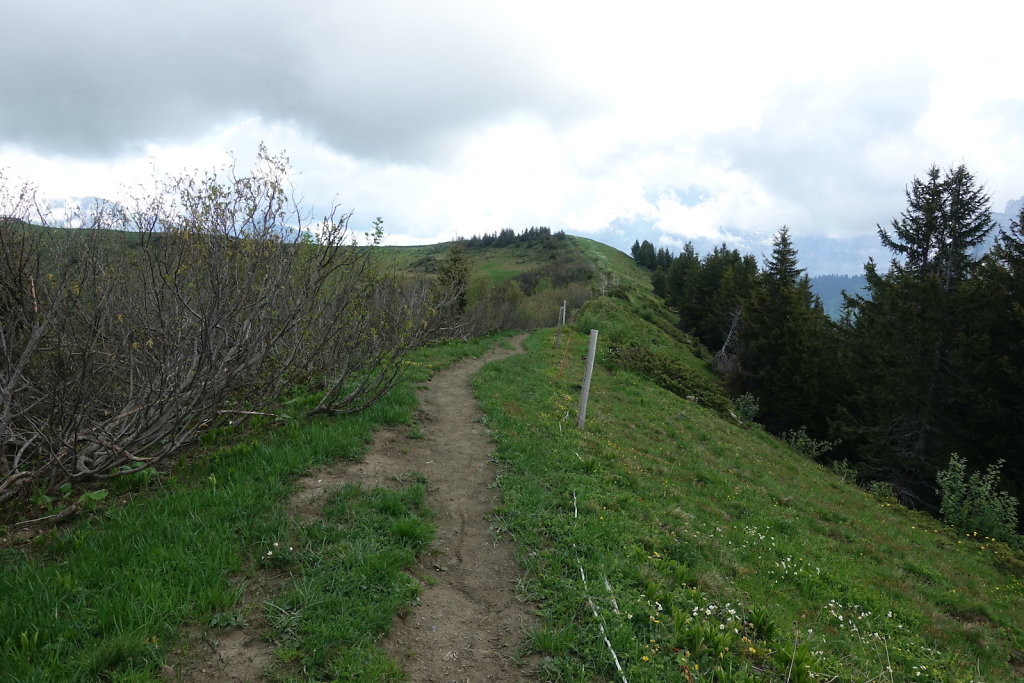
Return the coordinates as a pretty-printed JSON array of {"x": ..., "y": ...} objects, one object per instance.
[
  {"x": 581, "y": 418},
  {"x": 561, "y": 320}
]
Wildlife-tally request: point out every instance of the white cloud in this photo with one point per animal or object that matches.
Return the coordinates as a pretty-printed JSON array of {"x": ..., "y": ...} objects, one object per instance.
[{"x": 670, "y": 120}]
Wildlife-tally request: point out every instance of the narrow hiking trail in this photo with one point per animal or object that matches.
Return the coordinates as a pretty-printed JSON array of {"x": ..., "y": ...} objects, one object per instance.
[{"x": 468, "y": 624}]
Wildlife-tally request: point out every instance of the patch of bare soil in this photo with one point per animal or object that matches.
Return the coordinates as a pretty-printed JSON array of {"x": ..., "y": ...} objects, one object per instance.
[
  {"x": 468, "y": 624},
  {"x": 238, "y": 654}
]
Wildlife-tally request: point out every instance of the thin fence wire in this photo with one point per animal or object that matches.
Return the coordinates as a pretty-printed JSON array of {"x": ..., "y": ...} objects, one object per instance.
[{"x": 593, "y": 606}]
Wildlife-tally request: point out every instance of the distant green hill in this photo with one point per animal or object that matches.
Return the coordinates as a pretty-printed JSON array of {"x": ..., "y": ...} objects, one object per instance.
[{"x": 499, "y": 261}]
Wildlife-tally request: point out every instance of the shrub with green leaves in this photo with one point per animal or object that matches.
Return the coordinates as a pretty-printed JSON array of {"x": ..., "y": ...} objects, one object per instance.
[
  {"x": 806, "y": 445},
  {"x": 628, "y": 341},
  {"x": 668, "y": 372},
  {"x": 844, "y": 470},
  {"x": 973, "y": 503},
  {"x": 746, "y": 407},
  {"x": 883, "y": 491}
]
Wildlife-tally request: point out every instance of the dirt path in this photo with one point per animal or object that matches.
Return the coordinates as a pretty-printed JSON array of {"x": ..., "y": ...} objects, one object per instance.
[{"x": 468, "y": 625}]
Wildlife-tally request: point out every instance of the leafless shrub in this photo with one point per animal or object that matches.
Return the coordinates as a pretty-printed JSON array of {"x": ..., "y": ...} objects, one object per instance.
[
  {"x": 368, "y": 324},
  {"x": 124, "y": 339},
  {"x": 30, "y": 308}
]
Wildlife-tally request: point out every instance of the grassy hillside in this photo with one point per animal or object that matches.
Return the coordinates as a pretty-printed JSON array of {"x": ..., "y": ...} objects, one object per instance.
[
  {"x": 666, "y": 541},
  {"x": 618, "y": 268},
  {"x": 708, "y": 550},
  {"x": 496, "y": 263}
]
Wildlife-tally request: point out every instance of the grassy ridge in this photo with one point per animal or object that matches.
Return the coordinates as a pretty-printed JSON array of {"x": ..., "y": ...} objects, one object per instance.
[
  {"x": 108, "y": 596},
  {"x": 497, "y": 264},
  {"x": 703, "y": 549},
  {"x": 714, "y": 552}
]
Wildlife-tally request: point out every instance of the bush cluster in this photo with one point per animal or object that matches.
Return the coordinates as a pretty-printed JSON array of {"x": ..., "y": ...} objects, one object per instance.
[
  {"x": 973, "y": 503},
  {"x": 807, "y": 445},
  {"x": 670, "y": 373},
  {"x": 746, "y": 407},
  {"x": 634, "y": 344},
  {"x": 124, "y": 339}
]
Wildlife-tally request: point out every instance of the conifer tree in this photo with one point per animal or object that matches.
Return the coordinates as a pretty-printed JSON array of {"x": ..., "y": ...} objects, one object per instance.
[
  {"x": 448, "y": 290},
  {"x": 780, "y": 269},
  {"x": 647, "y": 256},
  {"x": 681, "y": 276},
  {"x": 696, "y": 316},
  {"x": 659, "y": 281},
  {"x": 996, "y": 348},
  {"x": 947, "y": 216},
  {"x": 663, "y": 259},
  {"x": 783, "y": 344},
  {"x": 1009, "y": 249},
  {"x": 727, "y": 282},
  {"x": 908, "y": 339}
]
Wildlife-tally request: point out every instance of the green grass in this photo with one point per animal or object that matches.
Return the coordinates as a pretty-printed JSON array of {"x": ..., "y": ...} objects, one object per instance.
[
  {"x": 619, "y": 268},
  {"x": 640, "y": 313},
  {"x": 108, "y": 596},
  {"x": 708, "y": 550},
  {"x": 715, "y": 552},
  {"x": 641, "y": 339},
  {"x": 497, "y": 264},
  {"x": 349, "y": 582},
  {"x": 504, "y": 263}
]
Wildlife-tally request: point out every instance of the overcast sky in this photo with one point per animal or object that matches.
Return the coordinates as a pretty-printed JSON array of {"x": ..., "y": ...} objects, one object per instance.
[{"x": 666, "y": 121}]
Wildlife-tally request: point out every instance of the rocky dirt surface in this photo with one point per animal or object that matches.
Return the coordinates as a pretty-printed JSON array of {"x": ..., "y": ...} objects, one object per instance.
[{"x": 468, "y": 624}]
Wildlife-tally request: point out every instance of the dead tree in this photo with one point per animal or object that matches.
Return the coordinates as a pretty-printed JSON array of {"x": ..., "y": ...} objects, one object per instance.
[{"x": 724, "y": 358}]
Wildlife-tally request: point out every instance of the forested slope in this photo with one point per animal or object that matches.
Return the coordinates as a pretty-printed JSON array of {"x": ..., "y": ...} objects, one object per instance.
[{"x": 917, "y": 383}]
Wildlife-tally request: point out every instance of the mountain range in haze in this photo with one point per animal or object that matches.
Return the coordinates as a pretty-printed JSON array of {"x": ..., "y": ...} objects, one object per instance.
[{"x": 818, "y": 255}]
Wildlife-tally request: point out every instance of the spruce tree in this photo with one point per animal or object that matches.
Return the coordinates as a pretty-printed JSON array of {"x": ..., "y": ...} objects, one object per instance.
[
  {"x": 1009, "y": 249},
  {"x": 726, "y": 283},
  {"x": 780, "y": 268},
  {"x": 659, "y": 281},
  {"x": 915, "y": 235},
  {"x": 783, "y": 343},
  {"x": 647, "y": 257},
  {"x": 681, "y": 276},
  {"x": 908, "y": 339},
  {"x": 947, "y": 217},
  {"x": 967, "y": 222},
  {"x": 663, "y": 259},
  {"x": 996, "y": 348}
]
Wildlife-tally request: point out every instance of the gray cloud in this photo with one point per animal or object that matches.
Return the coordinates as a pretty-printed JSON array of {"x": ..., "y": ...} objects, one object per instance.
[
  {"x": 841, "y": 152},
  {"x": 384, "y": 80}
]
